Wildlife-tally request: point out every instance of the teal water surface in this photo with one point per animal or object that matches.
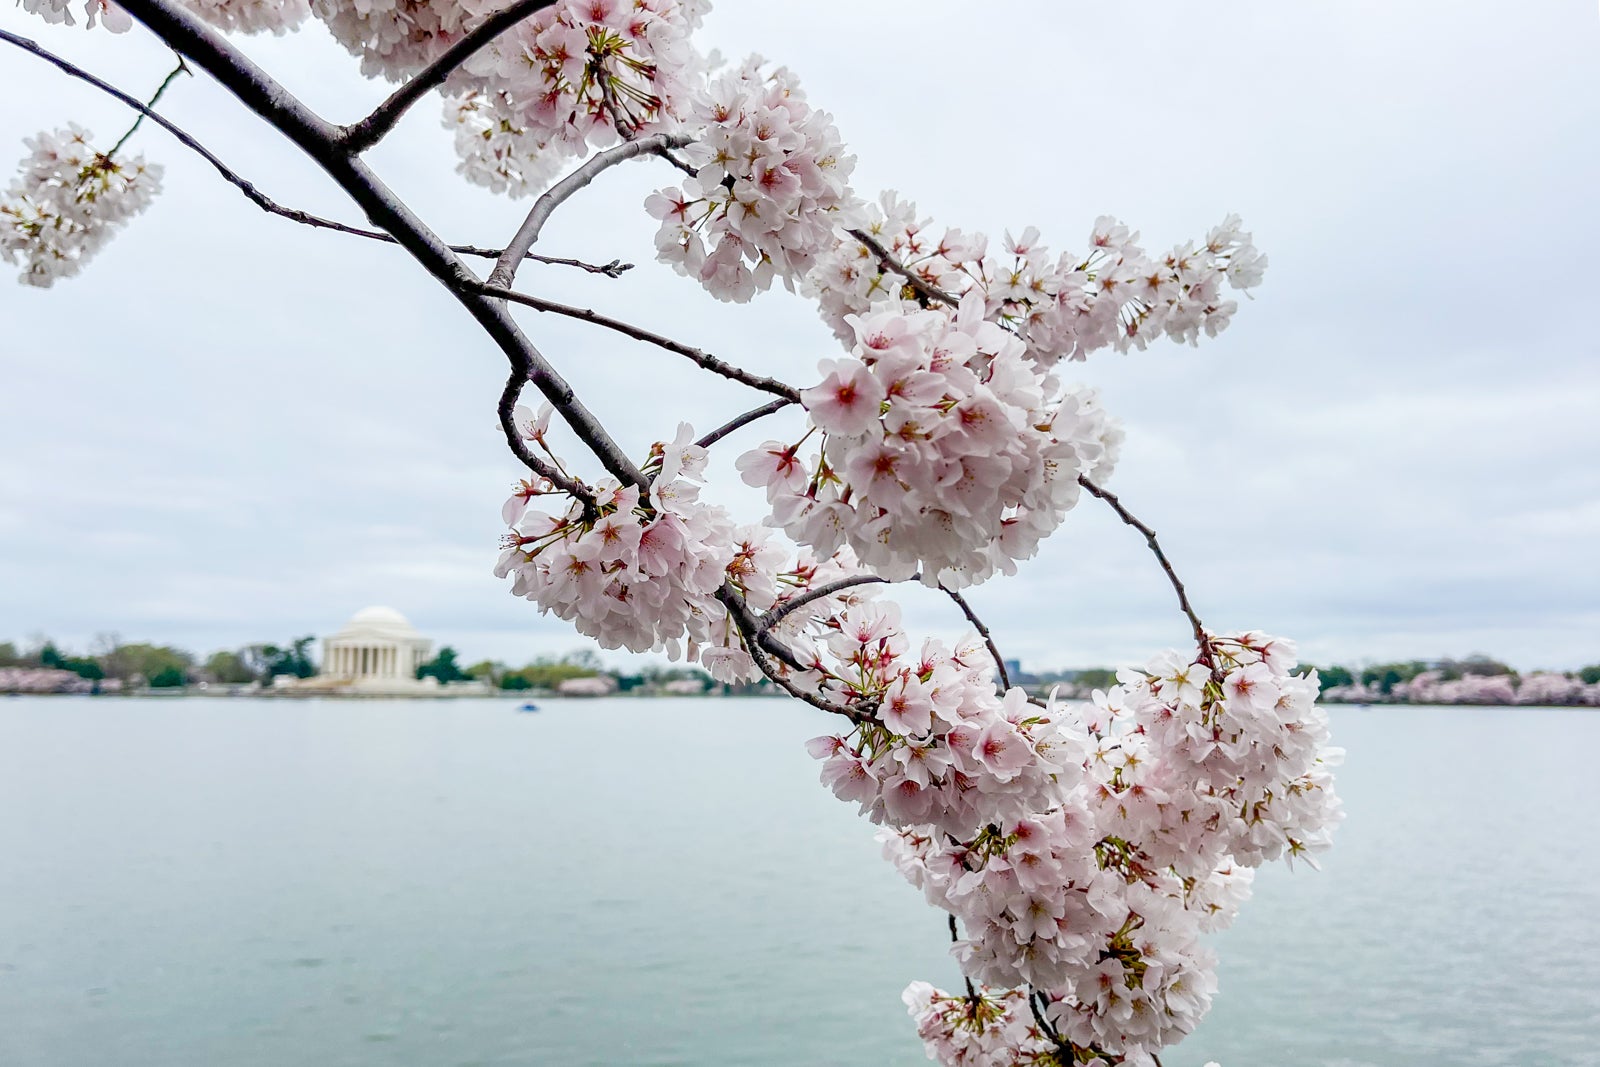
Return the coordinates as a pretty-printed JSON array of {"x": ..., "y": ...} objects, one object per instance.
[{"x": 235, "y": 883}]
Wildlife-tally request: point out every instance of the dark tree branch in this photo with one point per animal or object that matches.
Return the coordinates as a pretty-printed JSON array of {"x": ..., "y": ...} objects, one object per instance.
[
  {"x": 691, "y": 171},
  {"x": 359, "y": 137},
  {"x": 761, "y": 644},
  {"x": 782, "y": 611},
  {"x": 514, "y": 440},
  {"x": 972, "y": 994},
  {"x": 1201, "y": 637},
  {"x": 626, "y": 128},
  {"x": 886, "y": 260},
  {"x": 1037, "y": 1002},
  {"x": 505, "y": 270},
  {"x": 705, "y": 359},
  {"x": 319, "y": 139},
  {"x": 983, "y": 631},
  {"x": 613, "y": 269},
  {"x": 743, "y": 420}
]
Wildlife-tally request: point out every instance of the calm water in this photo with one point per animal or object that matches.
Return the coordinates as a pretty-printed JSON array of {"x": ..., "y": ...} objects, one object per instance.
[{"x": 275, "y": 884}]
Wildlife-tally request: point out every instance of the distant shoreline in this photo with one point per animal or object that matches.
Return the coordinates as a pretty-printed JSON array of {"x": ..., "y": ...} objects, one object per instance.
[
  {"x": 524, "y": 697},
  {"x": 521, "y": 696}
]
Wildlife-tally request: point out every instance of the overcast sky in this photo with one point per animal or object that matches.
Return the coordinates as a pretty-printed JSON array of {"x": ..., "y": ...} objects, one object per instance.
[{"x": 232, "y": 429}]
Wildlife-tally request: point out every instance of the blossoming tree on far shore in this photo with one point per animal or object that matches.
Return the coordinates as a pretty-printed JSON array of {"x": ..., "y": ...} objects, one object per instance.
[{"x": 1080, "y": 854}]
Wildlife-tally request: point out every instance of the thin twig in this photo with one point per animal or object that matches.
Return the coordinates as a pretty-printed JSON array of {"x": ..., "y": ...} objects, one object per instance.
[
  {"x": 255, "y": 196},
  {"x": 711, "y": 363},
  {"x": 181, "y": 68},
  {"x": 886, "y": 259},
  {"x": 505, "y": 269},
  {"x": 688, "y": 168},
  {"x": 983, "y": 631},
  {"x": 360, "y": 136},
  {"x": 508, "y": 425},
  {"x": 1201, "y": 637},
  {"x": 744, "y": 420},
  {"x": 782, "y": 611}
]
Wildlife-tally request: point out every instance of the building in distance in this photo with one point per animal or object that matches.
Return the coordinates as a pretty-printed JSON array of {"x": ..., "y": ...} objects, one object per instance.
[{"x": 376, "y": 653}]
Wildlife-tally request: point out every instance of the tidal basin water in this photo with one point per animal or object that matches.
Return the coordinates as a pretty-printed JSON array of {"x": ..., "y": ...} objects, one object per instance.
[{"x": 236, "y": 883}]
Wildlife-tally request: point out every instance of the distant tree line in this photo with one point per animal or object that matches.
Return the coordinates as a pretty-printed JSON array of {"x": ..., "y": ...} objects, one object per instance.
[
  {"x": 548, "y": 672},
  {"x": 1383, "y": 677},
  {"x": 168, "y": 667},
  {"x": 164, "y": 666}
]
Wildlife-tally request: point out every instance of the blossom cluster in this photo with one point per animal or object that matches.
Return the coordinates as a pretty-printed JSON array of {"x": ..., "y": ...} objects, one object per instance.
[
  {"x": 495, "y": 148},
  {"x": 633, "y": 572},
  {"x": 1115, "y": 294},
  {"x": 66, "y": 202},
  {"x": 944, "y": 451},
  {"x": 643, "y": 571},
  {"x": 396, "y": 38},
  {"x": 1044, "y": 905},
  {"x": 242, "y": 16},
  {"x": 1232, "y": 744},
  {"x": 770, "y": 187},
  {"x": 581, "y": 74},
  {"x": 1193, "y": 772},
  {"x": 252, "y": 16},
  {"x": 96, "y": 12},
  {"x": 993, "y": 1028},
  {"x": 941, "y": 747}
]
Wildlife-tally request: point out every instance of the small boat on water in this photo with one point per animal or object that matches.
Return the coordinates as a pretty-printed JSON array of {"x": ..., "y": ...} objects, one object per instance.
[{"x": 529, "y": 706}]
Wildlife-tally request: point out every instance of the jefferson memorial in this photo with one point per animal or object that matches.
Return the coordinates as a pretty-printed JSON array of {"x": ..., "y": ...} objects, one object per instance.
[
  {"x": 376, "y": 645},
  {"x": 376, "y": 654}
]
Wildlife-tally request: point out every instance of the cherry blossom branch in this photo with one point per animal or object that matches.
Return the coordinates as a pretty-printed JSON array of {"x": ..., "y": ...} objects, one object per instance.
[
  {"x": 782, "y": 611},
  {"x": 886, "y": 260},
  {"x": 955, "y": 936},
  {"x": 505, "y": 269},
  {"x": 508, "y": 425},
  {"x": 360, "y": 136},
  {"x": 743, "y": 420},
  {"x": 614, "y": 269},
  {"x": 1201, "y": 637},
  {"x": 319, "y": 139},
  {"x": 759, "y": 642},
  {"x": 704, "y": 359},
  {"x": 625, "y": 127},
  {"x": 1035, "y": 999},
  {"x": 983, "y": 632},
  {"x": 688, "y": 168}
]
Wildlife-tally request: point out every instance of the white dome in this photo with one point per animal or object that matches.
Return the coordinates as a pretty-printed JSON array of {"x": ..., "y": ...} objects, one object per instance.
[
  {"x": 378, "y": 622},
  {"x": 378, "y": 616}
]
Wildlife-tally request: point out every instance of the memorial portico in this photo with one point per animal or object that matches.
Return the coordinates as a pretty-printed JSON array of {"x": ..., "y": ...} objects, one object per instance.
[{"x": 377, "y": 644}]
